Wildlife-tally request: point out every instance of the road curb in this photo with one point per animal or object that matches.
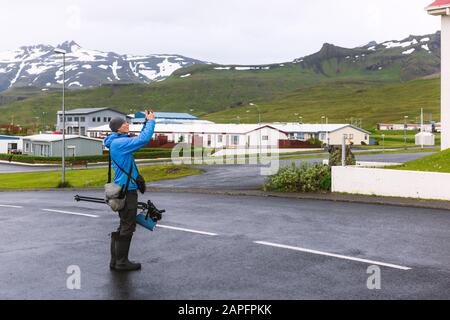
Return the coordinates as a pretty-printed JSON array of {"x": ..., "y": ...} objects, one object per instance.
[{"x": 331, "y": 197}]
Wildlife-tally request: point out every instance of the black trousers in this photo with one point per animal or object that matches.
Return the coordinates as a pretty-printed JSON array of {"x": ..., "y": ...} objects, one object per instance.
[{"x": 128, "y": 214}]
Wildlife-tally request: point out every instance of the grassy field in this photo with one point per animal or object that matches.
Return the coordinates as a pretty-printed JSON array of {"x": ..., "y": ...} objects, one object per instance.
[
  {"x": 439, "y": 162},
  {"x": 396, "y": 139},
  {"x": 86, "y": 178},
  {"x": 281, "y": 93},
  {"x": 339, "y": 101}
]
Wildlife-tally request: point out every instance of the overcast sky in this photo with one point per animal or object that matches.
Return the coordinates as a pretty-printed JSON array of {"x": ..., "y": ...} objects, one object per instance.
[{"x": 222, "y": 31}]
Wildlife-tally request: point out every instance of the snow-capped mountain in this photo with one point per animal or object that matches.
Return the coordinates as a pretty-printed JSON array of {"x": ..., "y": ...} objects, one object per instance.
[{"x": 39, "y": 66}]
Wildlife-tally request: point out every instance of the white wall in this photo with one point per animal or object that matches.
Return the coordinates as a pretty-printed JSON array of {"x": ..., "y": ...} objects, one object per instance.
[
  {"x": 4, "y": 145},
  {"x": 273, "y": 136},
  {"x": 358, "y": 136},
  {"x": 391, "y": 183},
  {"x": 445, "y": 82}
]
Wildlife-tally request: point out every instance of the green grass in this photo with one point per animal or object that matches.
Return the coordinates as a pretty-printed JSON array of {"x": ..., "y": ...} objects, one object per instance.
[
  {"x": 326, "y": 156},
  {"x": 224, "y": 95},
  {"x": 90, "y": 178},
  {"x": 396, "y": 139},
  {"x": 374, "y": 102},
  {"x": 439, "y": 162}
]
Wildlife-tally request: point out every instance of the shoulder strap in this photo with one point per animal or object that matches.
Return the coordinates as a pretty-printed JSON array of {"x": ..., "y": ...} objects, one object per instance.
[
  {"x": 109, "y": 167},
  {"x": 128, "y": 174},
  {"x": 128, "y": 180}
]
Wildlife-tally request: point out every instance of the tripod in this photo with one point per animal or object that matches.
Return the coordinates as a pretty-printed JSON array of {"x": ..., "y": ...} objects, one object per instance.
[{"x": 149, "y": 208}]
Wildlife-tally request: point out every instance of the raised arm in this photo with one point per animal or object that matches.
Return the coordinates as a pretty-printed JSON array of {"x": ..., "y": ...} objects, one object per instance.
[{"x": 130, "y": 145}]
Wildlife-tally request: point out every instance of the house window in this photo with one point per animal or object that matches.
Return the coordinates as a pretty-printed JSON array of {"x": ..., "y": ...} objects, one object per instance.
[
  {"x": 109, "y": 119},
  {"x": 93, "y": 119},
  {"x": 105, "y": 119},
  {"x": 69, "y": 119},
  {"x": 322, "y": 136},
  {"x": 219, "y": 138},
  {"x": 60, "y": 119},
  {"x": 82, "y": 119},
  {"x": 235, "y": 140},
  {"x": 77, "y": 119},
  {"x": 99, "y": 119},
  {"x": 365, "y": 137},
  {"x": 27, "y": 147},
  {"x": 265, "y": 138},
  {"x": 300, "y": 136}
]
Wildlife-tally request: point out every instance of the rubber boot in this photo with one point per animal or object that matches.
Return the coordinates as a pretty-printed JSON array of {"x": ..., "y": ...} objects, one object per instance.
[
  {"x": 122, "y": 249},
  {"x": 114, "y": 236}
]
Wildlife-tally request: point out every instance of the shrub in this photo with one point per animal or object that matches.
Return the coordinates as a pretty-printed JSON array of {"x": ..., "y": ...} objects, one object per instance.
[
  {"x": 65, "y": 184},
  {"x": 315, "y": 143},
  {"x": 303, "y": 178},
  {"x": 336, "y": 157},
  {"x": 325, "y": 182}
]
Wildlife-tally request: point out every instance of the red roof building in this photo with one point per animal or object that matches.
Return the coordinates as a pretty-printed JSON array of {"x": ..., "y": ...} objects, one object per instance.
[{"x": 439, "y": 7}]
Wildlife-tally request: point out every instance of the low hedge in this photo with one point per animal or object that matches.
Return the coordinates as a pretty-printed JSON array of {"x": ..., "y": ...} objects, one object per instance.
[{"x": 304, "y": 178}]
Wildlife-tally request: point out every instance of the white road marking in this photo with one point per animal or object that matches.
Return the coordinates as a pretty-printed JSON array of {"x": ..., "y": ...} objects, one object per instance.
[
  {"x": 187, "y": 230},
  {"x": 9, "y": 206},
  {"x": 333, "y": 255},
  {"x": 72, "y": 213}
]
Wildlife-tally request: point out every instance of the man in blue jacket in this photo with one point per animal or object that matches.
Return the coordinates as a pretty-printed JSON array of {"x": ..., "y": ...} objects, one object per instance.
[{"x": 121, "y": 148}]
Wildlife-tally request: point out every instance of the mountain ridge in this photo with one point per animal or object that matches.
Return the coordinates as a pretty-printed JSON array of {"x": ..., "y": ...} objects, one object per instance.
[{"x": 39, "y": 66}]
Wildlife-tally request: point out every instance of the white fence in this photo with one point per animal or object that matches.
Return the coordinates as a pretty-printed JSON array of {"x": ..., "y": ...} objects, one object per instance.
[{"x": 391, "y": 183}]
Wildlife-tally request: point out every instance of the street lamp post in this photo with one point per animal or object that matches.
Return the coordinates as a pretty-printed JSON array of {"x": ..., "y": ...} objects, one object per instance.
[
  {"x": 406, "y": 126},
  {"x": 259, "y": 123},
  {"x": 63, "y": 52},
  {"x": 43, "y": 120},
  {"x": 36, "y": 123}
]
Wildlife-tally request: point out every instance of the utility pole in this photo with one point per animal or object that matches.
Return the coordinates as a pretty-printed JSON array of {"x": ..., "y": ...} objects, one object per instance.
[
  {"x": 63, "y": 174},
  {"x": 406, "y": 126}
]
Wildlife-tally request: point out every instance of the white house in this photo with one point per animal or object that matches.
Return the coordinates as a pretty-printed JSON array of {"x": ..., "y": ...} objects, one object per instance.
[
  {"x": 209, "y": 135},
  {"x": 79, "y": 121},
  {"x": 50, "y": 145},
  {"x": 329, "y": 134},
  {"x": 9, "y": 144},
  {"x": 247, "y": 135}
]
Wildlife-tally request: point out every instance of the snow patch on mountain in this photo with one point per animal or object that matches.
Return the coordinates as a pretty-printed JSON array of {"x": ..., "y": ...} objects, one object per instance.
[
  {"x": 75, "y": 83},
  {"x": 37, "y": 68},
  {"x": 409, "y": 51},
  {"x": 149, "y": 74},
  {"x": 425, "y": 47},
  {"x": 115, "y": 66},
  {"x": 394, "y": 44},
  {"x": 166, "y": 68},
  {"x": 22, "y": 65}
]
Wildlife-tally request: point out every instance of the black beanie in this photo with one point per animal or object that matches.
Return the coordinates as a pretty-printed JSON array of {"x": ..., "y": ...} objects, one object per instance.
[{"x": 116, "y": 123}]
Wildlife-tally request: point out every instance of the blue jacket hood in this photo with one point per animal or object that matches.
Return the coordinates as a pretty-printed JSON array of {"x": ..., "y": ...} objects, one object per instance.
[{"x": 109, "y": 139}]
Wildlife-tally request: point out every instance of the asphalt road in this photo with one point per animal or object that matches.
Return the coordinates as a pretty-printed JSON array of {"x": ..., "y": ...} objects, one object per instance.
[
  {"x": 248, "y": 177},
  {"x": 256, "y": 248},
  {"x": 14, "y": 168}
]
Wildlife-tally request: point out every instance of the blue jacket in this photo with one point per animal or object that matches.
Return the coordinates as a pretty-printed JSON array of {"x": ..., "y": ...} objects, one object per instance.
[{"x": 121, "y": 148}]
